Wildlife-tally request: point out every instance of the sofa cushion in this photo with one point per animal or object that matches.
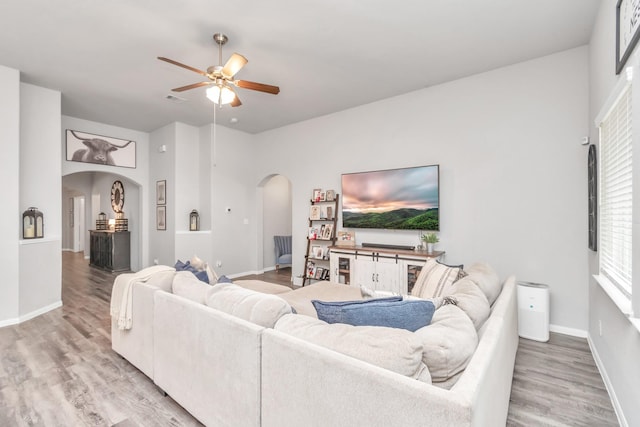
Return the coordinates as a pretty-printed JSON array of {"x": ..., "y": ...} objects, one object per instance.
[
  {"x": 186, "y": 285},
  {"x": 301, "y": 298},
  {"x": 468, "y": 296},
  {"x": 391, "y": 312},
  {"x": 487, "y": 280},
  {"x": 434, "y": 279},
  {"x": 449, "y": 342},
  {"x": 201, "y": 265},
  {"x": 261, "y": 286},
  {"x": 397, "y": 350},
  {"x": 256, "y": 307}
]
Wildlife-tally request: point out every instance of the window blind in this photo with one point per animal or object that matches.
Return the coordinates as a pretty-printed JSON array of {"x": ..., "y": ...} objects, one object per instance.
[{"x": 615, "y": 193}]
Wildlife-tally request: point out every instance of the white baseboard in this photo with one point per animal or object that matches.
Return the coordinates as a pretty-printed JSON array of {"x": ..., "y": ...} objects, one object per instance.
[
  {"x": 607, "y": 383},
  {"x": 28, "y": 316},
  {"x": 568, "y": 331}
]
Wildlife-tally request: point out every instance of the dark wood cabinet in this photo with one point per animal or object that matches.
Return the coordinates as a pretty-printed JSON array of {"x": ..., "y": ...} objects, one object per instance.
[{"x": 110, "y": 250}]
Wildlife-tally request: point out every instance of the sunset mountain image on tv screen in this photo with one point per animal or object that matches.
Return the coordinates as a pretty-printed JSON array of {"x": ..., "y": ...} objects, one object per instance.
[{"x": 399, "y": 199}]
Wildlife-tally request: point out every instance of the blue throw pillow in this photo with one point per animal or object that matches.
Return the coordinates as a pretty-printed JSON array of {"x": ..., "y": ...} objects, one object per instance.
[
  {"x": 186, "y": 266},
  {"x": 392, "y": 312}
]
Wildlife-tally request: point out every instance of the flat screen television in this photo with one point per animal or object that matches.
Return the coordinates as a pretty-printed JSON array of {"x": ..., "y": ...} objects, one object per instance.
[{"x": 397, "y": 199}]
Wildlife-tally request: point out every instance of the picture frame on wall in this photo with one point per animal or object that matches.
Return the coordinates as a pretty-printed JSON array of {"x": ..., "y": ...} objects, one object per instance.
[
  {"x": 99, "y": 149},
  {"x": 161, "y": 192},
  {"x": 161, "y": 217},
  {"x": 627, "y": 30}
]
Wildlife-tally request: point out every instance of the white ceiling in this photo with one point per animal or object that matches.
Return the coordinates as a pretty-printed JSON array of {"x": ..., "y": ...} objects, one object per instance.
[{"x": 326, "y": 56}]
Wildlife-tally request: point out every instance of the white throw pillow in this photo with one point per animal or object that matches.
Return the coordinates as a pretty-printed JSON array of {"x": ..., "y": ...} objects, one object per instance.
[
  {"x": 434, "y": 279},
  {"x": 256, "y": 307},
  {"x": 200, "y": 265},
  {"x": 397, "y": 350},
  {"x": 186, "y": 285},
  {"x": 468, "y": 296},
  {"x": 449, "y": 342},
  {"x": 487, "y": 280}
]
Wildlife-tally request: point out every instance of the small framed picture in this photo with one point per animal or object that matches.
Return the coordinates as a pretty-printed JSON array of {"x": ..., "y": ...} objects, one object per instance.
[
  {"x": 319, "y": 273},
  {"x": 315, "y": 196},
  {"x": 331, "y": 195},
  {"x": 314, "y": 212},
  {"x": 161, "y": 217},
  {"x": 327, "y": 232},
  {"x": 322, "y": 197},
  {"x": 329, "y": 212},
  {"x": 161, "y": 192},
  {"x": 316, "y": 251}
]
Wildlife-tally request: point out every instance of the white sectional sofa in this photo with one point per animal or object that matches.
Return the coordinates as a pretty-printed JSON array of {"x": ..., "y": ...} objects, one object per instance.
[{"x": 229, "y": 371}]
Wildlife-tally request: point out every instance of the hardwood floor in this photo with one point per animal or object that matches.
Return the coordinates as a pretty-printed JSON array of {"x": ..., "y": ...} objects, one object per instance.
[{"x": 58, "y": 369}]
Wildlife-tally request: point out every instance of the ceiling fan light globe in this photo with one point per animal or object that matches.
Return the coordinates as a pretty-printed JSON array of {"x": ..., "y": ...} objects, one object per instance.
[{"x": 220, "y": 95}]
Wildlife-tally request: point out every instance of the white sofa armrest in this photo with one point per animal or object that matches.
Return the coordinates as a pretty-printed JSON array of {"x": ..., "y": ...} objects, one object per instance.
[
  {"x": 207, "y": 361},
  {"x": 136, "y": 344}
]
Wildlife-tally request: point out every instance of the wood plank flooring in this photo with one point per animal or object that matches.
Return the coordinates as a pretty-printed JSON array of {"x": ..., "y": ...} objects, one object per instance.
[{"x": 59, "y": 370}]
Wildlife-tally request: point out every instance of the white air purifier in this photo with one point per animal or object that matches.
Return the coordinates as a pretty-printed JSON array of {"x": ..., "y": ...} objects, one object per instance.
[{"x": 533, "y": 311}]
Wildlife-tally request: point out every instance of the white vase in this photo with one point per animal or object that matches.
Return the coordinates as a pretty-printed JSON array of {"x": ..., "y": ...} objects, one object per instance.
[{"x": 430, "y": 248}]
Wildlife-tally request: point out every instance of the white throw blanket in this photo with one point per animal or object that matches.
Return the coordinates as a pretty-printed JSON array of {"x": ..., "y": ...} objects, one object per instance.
[{"x": 122, "y": 293}]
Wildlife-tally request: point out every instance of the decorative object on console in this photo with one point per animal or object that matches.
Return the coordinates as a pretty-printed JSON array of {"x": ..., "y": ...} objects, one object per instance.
[
  {"x": 121, "y": 223},
  {"x": 430, "y": 239},
  {"x": 346, "y": 239},
  {"x": 404, "y": 199},
  {"x": 194, "y": 221},
  {"x": 101, "y": 222},
  {"x": 32, "y": 224},
  {"x": 88, "y": 148}
]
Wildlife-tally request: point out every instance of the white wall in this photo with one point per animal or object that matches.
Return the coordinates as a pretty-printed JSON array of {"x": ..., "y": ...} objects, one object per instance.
[
  {"x": 513, "y": 174},
  {"x": 10, "y": 214},
  {"x": 40, "y": 186},
  {"x": 618, "y": 349}
]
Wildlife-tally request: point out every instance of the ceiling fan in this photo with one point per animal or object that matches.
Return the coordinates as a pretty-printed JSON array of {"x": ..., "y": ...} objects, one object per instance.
[{"x": 221, "y": 77}]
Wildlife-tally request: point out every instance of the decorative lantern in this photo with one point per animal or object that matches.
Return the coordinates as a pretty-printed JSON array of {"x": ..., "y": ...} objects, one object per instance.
[
  {"x": 32, "y": 224},
  {"x": 194, "y": 221},
  {"x": 101, "y": 222}
]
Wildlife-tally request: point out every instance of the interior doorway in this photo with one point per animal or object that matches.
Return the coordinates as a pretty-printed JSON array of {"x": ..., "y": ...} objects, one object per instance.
[
  {"x": 78, "y": 224},
  {"x": 276, "y": 216}
]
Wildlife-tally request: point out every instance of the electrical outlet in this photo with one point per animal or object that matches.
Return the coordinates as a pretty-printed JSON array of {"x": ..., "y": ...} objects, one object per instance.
[
  {"x": 600, "y": 327},
  {"x": 218, "y": 263},
  {"x": 155, "y": 261}
]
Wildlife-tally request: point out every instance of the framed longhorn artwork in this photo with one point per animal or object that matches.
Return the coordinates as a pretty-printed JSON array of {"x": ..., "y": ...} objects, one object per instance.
[{"x": 102, "y": 150}]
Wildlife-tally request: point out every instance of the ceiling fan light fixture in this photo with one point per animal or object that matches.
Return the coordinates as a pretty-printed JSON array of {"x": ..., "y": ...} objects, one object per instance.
[{"x": 220, "y": 94}]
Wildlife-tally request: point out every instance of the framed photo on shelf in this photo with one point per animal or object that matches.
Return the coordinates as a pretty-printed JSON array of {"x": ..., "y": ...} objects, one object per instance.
[
  {"x": 322, "y": 197},
  {"x": 311, "y": 268},
  {"x": 315, "y": 196},
  {"x": 313, "y": 233},
  {"x": 317, "y": 252},
  {"x": 327, "y": 232},
  {"x": 314, "y": 212},
  {"x": 161, "y": 192},
  {"x": 331, "y": 195},
  {"x": 161, "y": 217},
  {"x": 627, "y": 34},
  {"x": 319, "y": 273},
  {"x": 329, "y": 214}
]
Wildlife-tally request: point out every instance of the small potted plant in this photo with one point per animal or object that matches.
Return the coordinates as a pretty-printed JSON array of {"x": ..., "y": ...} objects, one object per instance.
[{"x": 430, "y": 239}]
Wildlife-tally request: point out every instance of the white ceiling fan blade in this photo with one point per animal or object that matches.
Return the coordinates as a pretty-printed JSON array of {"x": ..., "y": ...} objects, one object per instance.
[{"x": 233, "y": 65}]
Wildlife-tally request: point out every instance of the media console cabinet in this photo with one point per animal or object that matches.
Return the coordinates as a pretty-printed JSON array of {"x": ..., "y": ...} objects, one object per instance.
[
  {"x": 110, "y": 250},
  {"x": 382, "y": 269}
]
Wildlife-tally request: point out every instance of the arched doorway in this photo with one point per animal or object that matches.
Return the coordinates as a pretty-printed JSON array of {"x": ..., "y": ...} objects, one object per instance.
[{"x": 276, "y": 206}]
